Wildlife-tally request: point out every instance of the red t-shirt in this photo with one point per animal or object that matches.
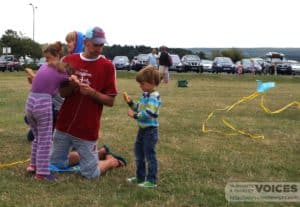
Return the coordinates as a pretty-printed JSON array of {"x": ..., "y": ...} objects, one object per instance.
[{"x": 80, "y": 115}]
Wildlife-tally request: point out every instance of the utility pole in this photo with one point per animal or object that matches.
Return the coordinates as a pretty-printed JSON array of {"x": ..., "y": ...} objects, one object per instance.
[{"x": 33, "y": 19}]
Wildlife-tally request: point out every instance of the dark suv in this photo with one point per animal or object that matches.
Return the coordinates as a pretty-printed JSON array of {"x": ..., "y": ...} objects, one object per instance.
[
  {"x": 275, "y": 60},
  {"x": 223, "y": 64},
  {"x": 191, "y": 63}
]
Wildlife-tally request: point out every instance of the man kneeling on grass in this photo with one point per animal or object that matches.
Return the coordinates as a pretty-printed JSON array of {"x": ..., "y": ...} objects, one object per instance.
[{"x": 92, "y": 86}]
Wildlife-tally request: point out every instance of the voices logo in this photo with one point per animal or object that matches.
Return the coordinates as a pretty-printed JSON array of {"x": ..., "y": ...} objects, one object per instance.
[
  {"x": 276, "y": 188},
  {"x": 263, "y": 192}
]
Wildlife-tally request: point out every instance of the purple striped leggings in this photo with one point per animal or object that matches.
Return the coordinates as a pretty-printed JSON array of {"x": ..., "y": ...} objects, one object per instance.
[{"x": 39, "y": 114}]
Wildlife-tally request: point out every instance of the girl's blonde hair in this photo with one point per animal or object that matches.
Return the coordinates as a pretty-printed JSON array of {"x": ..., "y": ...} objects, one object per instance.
[{"x": 71, "y": 36}]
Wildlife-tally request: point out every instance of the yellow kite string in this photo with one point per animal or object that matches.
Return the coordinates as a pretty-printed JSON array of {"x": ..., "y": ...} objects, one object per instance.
[
  {"x": 13, "y": 163},
  {"x": 226, "y": 123},
  {"x": 279, "y": 110},
  {"x": 236, "y": 131}
]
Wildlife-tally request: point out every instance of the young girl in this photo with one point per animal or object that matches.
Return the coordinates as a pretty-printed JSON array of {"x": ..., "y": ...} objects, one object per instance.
[
  {"x": 74, "y": 42},
  {"x": 39, "y": 111},
  {"x": 146, "y": 111},
  {"x": 74, "y": 45}
]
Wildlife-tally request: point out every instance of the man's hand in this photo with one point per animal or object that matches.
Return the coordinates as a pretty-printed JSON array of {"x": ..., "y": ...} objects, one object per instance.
[
  {"x": 67, "y": 88},
  {"x": 74, "y": 80},
  {"x": 85, "y": 89}
]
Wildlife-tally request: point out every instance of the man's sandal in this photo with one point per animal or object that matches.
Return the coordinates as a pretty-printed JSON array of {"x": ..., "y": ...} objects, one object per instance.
[
  {"x": 122, "y": 160},
  {"x": 107, "y": 149}
]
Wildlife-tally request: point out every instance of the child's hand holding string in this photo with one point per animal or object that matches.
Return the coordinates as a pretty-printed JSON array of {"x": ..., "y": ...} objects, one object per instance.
[
  {"x": 126, "y": 98},
  {"x": 30, "y": 73},
  {"x": 130, "y": 113}
]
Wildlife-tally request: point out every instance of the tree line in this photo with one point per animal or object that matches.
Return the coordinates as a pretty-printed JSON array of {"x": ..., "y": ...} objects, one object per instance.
[
  {"x": 20, "y": 46},
  {"x": 23, "y": 46}
]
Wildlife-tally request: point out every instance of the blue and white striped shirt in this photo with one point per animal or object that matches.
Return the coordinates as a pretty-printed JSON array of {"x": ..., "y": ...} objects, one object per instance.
[{"x": 147, "y": 109}]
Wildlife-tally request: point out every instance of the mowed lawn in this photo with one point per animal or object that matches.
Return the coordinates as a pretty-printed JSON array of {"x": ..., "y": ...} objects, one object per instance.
[{"x": 194, "y": 167}]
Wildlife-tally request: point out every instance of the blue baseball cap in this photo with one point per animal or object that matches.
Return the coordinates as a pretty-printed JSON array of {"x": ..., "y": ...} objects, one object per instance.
[{"x": 96, "y": 34}]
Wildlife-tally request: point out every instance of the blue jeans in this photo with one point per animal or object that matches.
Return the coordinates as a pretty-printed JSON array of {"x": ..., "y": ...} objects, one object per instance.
[
  {"x": 144, "y": 150},
  {"x": 62, "y": 142}
]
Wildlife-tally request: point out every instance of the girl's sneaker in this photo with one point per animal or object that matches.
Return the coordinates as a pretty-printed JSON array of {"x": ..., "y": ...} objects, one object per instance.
[
  {"x": 147, "y": 184},
  {"x": 134, "y": 180},
  {"x": 30, "y": 169},
  {"x": 49, "y": 177}
]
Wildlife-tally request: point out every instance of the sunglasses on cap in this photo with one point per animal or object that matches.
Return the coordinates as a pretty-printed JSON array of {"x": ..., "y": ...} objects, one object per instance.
[{"x": 98, "y": 45}]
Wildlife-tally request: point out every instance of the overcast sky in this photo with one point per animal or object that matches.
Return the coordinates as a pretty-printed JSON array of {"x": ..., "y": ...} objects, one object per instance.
[{"x": 174, "y": 23}]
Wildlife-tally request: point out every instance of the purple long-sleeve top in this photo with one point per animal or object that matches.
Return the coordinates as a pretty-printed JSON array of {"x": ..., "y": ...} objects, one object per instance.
[{"x": 47, "y": 80}]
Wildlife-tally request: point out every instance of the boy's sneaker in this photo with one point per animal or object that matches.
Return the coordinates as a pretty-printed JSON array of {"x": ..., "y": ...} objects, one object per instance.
[
  {"x": 49, "y": 177},
  {"x": 134, "y": 180},
  {"x": 147, "y": 184}
]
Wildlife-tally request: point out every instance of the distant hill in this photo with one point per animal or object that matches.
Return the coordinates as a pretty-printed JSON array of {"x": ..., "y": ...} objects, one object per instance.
[{"x": 290, "y": 53}]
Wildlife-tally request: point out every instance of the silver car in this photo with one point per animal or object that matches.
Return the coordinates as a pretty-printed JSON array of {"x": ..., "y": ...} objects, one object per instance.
[
  {"x": 121, "y": 62},
  {"x": 176, "y": 63},
  {"x": 295, "y": 68},
  {"x": 206, "y": 65}
]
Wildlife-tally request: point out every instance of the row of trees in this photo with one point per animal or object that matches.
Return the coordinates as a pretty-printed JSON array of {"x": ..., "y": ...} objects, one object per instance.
[
  {"x": 24, "y": 46},
  {"x": 132, "y": 51},
  {"x": 20, "y": 46}
]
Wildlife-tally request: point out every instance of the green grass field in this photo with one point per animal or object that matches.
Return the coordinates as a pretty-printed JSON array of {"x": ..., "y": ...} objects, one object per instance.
[{"x": 194, "y": 167}]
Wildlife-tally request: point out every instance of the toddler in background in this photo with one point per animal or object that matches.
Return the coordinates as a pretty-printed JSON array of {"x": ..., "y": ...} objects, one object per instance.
[{"x": 74, "y": 42}]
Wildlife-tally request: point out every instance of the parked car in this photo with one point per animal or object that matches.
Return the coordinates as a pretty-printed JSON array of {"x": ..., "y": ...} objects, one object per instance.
[
  {"x": 41, "y": 62},
  {"x": 176, "y": 63},
  {"x": 223, "y": 64},
  {"x": 292, "y": 61},
  {"x": 250, "y": 66},
  {"x": 121, "y": 63},
  {"x": 3, "y": 63},
  {"x": 9, "y": 62},
  {"x": 206, "y": 65},
  {"x": 275, "y": 59},
  {"x": 259, "y": 60},
  {"x": 138, "y": 62},
  {"x": 284, "y": 68},
  {"x": 295, "y": 68},
  {"x": 26, "y": 60},
  {"x": 191, "y": 63}
]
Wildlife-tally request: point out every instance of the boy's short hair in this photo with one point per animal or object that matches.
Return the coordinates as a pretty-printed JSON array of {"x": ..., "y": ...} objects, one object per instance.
[{"x": 148, "y": 74}]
